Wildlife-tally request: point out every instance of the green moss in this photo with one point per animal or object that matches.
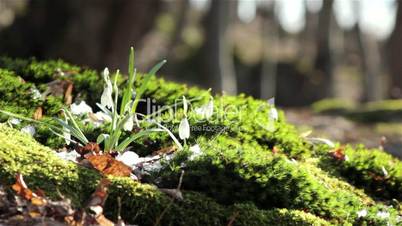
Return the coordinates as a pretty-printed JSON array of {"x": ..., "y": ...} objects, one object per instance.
[
  {"x": 374, "y": 170},
  {"x": 230, "y": 171},
  {"x": 140, "y": 203}
]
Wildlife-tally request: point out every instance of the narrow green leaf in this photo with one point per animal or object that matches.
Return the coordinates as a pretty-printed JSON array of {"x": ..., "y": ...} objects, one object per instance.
[
  {"x": 144, "y": 84},
  {"x": 133, "y": 137}
]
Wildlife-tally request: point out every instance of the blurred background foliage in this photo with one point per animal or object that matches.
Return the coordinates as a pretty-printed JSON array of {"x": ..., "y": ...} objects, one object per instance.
[{"x": 299, "y": 51}]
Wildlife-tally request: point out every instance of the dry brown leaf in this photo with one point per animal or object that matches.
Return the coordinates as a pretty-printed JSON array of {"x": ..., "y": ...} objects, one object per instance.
[
  {"x": 22, "y": 190},
  {"x": 108, "y": 165},
  {"x": 68, "y": 98},
  {"x": 88, "y": 148},
  {"x": 103, "y": 221},
  {"x": 165, "y": 150},
  {"x": 38, "y": 114},
  {"x": 338, "y": 154}
]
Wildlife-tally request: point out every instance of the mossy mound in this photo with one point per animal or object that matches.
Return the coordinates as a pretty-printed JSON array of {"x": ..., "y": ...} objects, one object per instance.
[
  {"x": 141, "y": 203},
  {"x": 258, "y": 170}
]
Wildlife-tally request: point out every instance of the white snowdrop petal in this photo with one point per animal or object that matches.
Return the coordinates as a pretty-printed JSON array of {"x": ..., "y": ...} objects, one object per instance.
[
  {"x": 80, "y": 109},
  {"x": 29, "y": 129},
  {"x": 106, "y": 98},
  {"x": 103, "y": 117},
  {"x": 273, "y": 114},
  {"x": 106, "y": 72},
  {"x": 184, "y": 129},
  {"x": 129, "y": 124}
]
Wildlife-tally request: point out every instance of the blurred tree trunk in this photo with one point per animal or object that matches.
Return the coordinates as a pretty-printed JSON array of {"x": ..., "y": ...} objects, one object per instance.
[
  {"x": 218, "y": 58},
  {"x": 369, "y": 51},
  {"x": 394, "y": 55},
  {"x": 323, "y": 63},
  {"x": 129, "y": 22},
  {"x": 180, "y": 22},
  {"x": 269, "y": 32}
]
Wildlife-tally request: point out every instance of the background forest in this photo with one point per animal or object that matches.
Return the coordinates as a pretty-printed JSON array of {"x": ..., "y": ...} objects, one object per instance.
[{"x": 299, "y": 51}]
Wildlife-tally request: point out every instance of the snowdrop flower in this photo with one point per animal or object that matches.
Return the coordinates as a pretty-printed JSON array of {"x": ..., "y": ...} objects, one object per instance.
[
  {"x": 184, "y": 129},
  {"x": 129, "y": 158},
  {"x": 195, "y": 152},
  {"x": 36, "y": 94},
  {"x": 383, "y": 214},
  {"x": 129, "y": 124},
  {"x": 80, "y": 109},
  {"x": 15, "y": 121},
  {"x": 362, "y": 213},
  {"x": 273, "y": 113},
  {"x": 206, "y": 110},
  {"x": 100, "y": 116},
  {"x": 106, "y": 98},
  {"x": 29, "y": 129}
]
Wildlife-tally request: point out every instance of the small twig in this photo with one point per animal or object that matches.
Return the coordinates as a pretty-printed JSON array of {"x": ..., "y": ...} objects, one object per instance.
[
  {"x": 233, "y": 218},
  {"x": 180, "y": 180},
  {"x": 158, "y": 220}
]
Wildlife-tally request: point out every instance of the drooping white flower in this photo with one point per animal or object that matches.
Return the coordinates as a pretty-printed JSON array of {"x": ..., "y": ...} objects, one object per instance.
[
  {"x": 273, "y": 114},
  {"x": 362, "y": 213},
  {"x": 195, "y": 152},
  {"x": 106, "y": 98},
  {"x": 207, "y": 110},
  {"x": 80, "y": 109},
  {"x": 129, "y": 124},
  {"x": 14, "y": 121},
  {"x": 184, "y": 129},
  {"x": 29, "y": 129},
  {"x": 129, "y": 158},
  {"x": 100, "y": 116},
  {"x": 383, "y": 214}
]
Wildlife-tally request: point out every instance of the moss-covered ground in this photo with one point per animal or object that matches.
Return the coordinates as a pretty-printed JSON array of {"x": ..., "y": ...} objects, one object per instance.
[{"x": 252, "y": 171}]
